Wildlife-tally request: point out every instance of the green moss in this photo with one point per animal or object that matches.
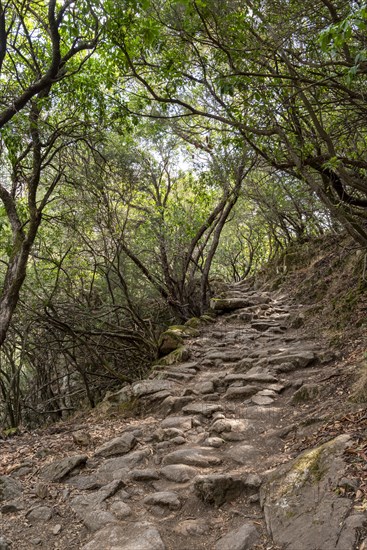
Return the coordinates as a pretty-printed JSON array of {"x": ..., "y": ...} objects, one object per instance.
[
  {"x": 176, "y": 356},
  {"x": 206, "y": 318},
  {"x": 10, "y": 431},
  {"x": 194, "y": 322},
  {"x": 310, "y": 467}
]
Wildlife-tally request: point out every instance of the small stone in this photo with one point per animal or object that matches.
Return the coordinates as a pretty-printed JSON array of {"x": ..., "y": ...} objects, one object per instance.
[
  {"x": 253, "y": 481},
  {"x": 349, "y": 484},
  {"x": 174, "y": 404},
  {"x": 262, "y": 400},
  {"x": 165, "y": 499},
  {"x": 240, "y": 392},
  {"x": 181, "y": 422},
  {"x": 215, "y": 442},
  {"x": 179, "y": 473},
  {"x": 205, "y": 387},
  {"x": 205, "y": 409},
  {"x": 85, "y": 483},
  {"x": 144, "y": 475},
  {"x": 221, "y": 425},
  {"x": 120, "y": 509},
  {"x": 267, "y": 393},
  {"x": 11, "y": 508},
  {"x": 239, "y": 539},
  {"x": 81, "y": 438},
  {"x": 192, "y": 528},
  {"x": 197, "y": 456},
  {"x": 169, "y": 433},
  {"x": 41, "y": 490},
  {"x": 56, "y": 529},
  {"x": 242, "y": 453},
  {"x": 95, "y": 520},
  {"x": 39, "y": 514},
  {"x": 218, "y": 415},
  {"x": 9, "y": 488}
]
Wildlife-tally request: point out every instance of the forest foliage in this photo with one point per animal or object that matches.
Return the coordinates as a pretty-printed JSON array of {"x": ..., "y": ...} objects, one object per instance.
[{"x": 150, "y": 150}]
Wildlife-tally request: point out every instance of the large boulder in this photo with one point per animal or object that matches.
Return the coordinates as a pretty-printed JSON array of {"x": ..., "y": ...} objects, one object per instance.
[{"x": 303, "y": 507}]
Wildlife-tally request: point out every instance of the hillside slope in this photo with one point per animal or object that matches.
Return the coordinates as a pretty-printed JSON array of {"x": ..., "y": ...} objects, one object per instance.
[{"x": 206, "y": 453}]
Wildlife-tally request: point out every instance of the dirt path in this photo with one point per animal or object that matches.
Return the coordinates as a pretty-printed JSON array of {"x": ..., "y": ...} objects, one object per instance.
[{"x": 188, "y": 471}]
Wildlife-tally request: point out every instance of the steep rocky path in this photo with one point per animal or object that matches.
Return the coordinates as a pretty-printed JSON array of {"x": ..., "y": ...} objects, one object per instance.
[{"x": 205, "y": 464}]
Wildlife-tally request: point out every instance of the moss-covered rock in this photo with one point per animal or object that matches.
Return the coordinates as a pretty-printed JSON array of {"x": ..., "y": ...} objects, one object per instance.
[
  {"x": 301, "y": 501},
  {"x": 178, "y": 355},
  {"x": 173, "y": 338},
  {"x": 194, "y": 322}
]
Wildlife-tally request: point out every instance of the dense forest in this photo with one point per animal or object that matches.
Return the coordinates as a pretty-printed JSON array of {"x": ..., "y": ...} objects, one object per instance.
[{"x": 151, "y": 150}]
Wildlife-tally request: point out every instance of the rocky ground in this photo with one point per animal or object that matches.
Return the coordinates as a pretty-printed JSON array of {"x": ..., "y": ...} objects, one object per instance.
[{"x": 206, "y": 453}]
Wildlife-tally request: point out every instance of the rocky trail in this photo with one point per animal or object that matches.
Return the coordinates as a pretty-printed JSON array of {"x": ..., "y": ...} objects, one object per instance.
[{"x": 207, "y": 461}]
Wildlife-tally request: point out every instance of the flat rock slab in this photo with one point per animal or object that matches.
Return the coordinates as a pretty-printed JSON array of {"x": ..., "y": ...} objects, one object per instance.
[
  {"x": 201, "y": 457},
  {"x": 192, "y": 528},
  {"x": 85, "y": 483},
  {"x": 164, "y": 499},
  {"x": 9, "y": 488},
  {"x": 95, "y": 520},
  {"x": 225, "y": 356},
  {"x": 117, "y": 446},
  {"x": 262, "y": 326},
  {"x": 261, "y": 377},
  {"x": 179, "y": 473},
  {"x": 147, "y": 387},
  {"x": 131, "y": 536},
  {"x": 176, "y": 375},
  {"x": 242, "y": 454},
  {"x": 241, "y": 392},
  {"x": 131, "y": 460},
  {"x": 60, "y": 469},
  {"x": 198, "y": 407},
  {"x": 39, "y": 514},
  {"x": 181, "y": 422},
  {"x": 262, "y": 400},
  {"x": 301, "y": 358},
  {"x": 86, "y": 503},
  {"x": 243, "y": 538},
  {"x": 229, "y": 425},
  {"x": 144, "y": 475},
  {"x": 301, "y": 502},
  {"x": 235, "y": 377}
]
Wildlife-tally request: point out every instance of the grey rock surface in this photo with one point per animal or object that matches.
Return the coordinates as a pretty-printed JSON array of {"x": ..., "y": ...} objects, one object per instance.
[
  {"x": 117, "y": 446},
  {"x": 60, "y": 469},
  {"x": 133, "y": 536},
  {"x": 303, "y": 493},
  {"x": 9, "y": 488},
  {"x": 243, "y": 538},
  {"x": 195, "y": 456}
]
